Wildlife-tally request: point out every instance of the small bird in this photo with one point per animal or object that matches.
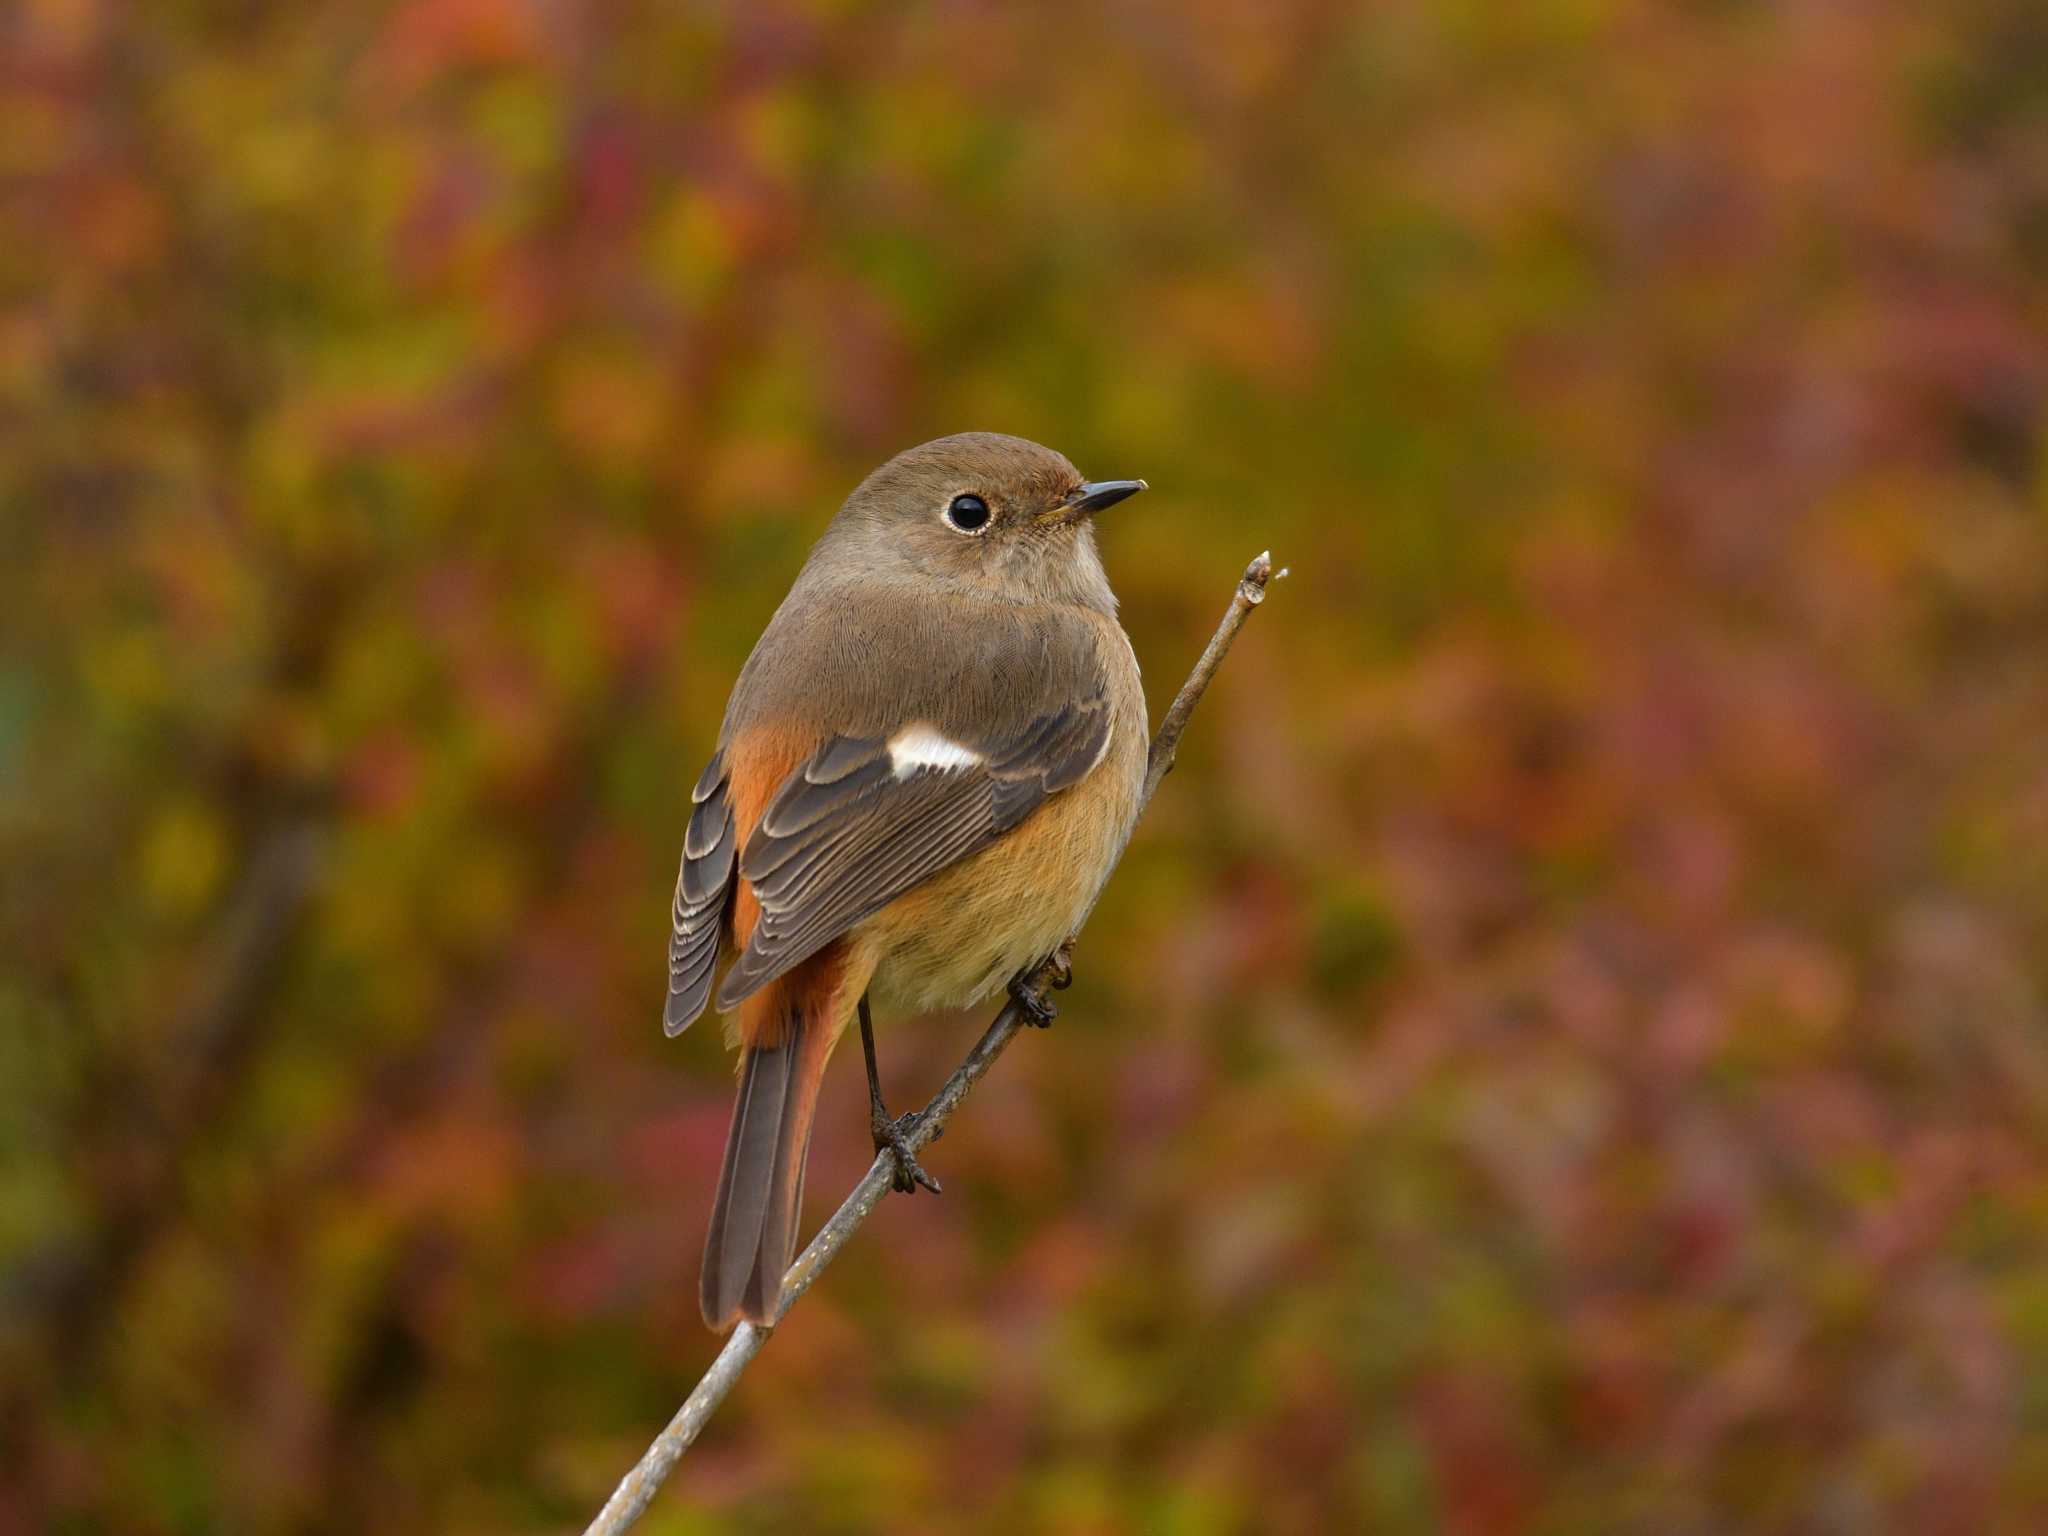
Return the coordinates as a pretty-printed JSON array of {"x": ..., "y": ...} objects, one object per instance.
[{"x": 928, "y": 767}]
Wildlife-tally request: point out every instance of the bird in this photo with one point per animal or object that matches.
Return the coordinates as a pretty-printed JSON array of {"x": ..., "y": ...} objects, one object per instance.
[{"x": 927, "y": 768}]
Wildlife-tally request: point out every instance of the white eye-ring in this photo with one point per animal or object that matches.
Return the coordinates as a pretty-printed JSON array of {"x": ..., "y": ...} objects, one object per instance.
[{"x": 967, "y": 512}]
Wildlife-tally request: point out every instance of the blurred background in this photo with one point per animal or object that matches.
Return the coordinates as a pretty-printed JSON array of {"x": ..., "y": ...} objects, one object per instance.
[{"x": 1566, "y": 1051}]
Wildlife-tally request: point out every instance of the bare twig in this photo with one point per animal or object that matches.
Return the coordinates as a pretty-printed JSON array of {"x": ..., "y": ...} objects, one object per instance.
[{"x": 631, "y": 1498}]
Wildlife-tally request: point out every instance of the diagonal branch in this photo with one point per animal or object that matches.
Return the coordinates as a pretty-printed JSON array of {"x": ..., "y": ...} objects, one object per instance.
[{"x": 631, "y": 1498}]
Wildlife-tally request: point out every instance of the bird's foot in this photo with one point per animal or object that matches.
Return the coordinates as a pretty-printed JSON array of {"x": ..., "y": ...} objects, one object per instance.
[
  {"x": 894, "y": 1136},
  {"x": 1039, "y": 1010}
]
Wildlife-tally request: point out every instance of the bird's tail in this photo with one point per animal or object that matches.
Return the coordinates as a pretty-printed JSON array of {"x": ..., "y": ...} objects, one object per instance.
[{"x": 761, "y": 1185}]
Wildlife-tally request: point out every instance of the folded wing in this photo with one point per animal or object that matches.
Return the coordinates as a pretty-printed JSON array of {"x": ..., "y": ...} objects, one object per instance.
[
  {"x": 867, "y": 818},
  {"x": 703, "y": 887}
]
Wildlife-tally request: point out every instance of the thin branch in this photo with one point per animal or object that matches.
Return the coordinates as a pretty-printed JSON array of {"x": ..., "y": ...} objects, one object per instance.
[{"x": 631, "y": 1498}]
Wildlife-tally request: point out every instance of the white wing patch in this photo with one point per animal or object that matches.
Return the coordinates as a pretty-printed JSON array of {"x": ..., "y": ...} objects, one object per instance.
[{"x": 919, "y": 746}]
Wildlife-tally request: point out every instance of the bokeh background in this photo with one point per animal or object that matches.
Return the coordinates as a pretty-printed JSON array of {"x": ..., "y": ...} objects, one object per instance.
[{"x": 1565, "y": 1053}]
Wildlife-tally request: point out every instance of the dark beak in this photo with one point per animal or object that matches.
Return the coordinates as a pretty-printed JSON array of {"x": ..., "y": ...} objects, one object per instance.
[{"x": 1099, "y": 494}]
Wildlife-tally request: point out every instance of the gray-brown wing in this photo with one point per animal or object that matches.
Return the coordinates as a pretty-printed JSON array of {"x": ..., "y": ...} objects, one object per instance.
[
  {"x": 851, "y": 831},
  {"x": 703, "y": 886}
]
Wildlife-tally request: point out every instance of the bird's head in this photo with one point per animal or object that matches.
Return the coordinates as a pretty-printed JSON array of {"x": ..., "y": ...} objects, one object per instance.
[{"x": 987, "y": 511}]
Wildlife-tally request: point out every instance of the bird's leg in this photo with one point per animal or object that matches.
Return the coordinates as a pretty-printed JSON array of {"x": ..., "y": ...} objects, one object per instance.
[
  {"x": 892, "y": 1134},
  {"x": 1039, "y": 1011}
]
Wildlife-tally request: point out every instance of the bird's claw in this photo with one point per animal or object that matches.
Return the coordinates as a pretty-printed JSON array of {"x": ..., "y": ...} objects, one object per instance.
[
  {"x": 1039, "y": 1010},
  {"x": 893, "y": 1136}
]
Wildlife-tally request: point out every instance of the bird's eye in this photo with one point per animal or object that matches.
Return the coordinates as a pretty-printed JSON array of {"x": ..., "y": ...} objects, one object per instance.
[{"x": 968, "y": 513}]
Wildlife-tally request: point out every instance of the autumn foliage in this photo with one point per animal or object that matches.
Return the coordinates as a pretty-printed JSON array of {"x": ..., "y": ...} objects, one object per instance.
[{"x": 1568, "y": 1049}]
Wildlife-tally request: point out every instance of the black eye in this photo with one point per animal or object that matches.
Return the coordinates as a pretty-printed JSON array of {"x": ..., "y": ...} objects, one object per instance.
[{"x": 968, "y": 513}]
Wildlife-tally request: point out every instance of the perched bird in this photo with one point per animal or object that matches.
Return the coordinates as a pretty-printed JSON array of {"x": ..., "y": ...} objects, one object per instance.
[{"x": 928, "y": 767}]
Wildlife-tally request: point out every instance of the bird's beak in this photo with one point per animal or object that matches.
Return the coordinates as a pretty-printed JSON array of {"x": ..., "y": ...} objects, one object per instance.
[{"x": 1094, "y": 497}]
